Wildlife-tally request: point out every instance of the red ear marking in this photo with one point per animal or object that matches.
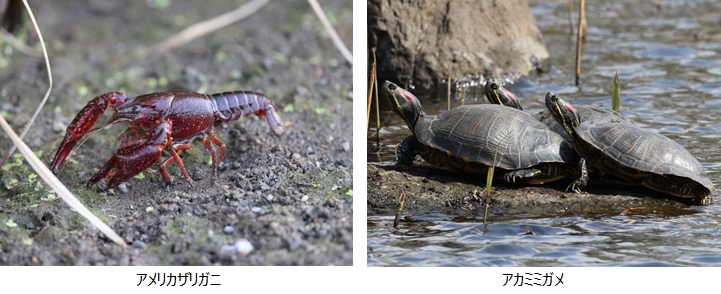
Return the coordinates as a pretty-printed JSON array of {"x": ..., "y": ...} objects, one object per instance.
[
  {"x": 407, "y": 95},
  {"x": 509, "y": 94},
  {"x": 569, "y": 107}
]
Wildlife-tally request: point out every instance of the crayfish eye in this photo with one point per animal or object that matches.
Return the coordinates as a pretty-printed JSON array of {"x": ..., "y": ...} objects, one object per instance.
[
  {"x": 136, "y": 109},
  {"x": 392, "y": 87}
]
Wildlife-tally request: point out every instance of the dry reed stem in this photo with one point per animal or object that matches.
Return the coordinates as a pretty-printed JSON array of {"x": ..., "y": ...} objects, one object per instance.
[
  {"x": 370, "y": 88},
  {"x": 401, "y": 201}
]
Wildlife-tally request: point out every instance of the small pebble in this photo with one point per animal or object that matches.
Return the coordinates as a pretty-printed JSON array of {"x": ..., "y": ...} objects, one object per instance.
[
  {"x": 310, "y": 150},
  {"x": 345, "y": 146},
  {"x": 255, "y": 209},
  {"x": 139, "y": 244},
  {"x": 296, "y": 156},
  {"x": 342, "y": 163},
  {"x": 241, "y": 246},
  {"x": 58, "y": 127},
  {"x": 198, "y": 174},
  {"x": 123, "y": 189},
  {"x": 229, "y": 230},
  {"x": 236, "y": 165},
  {"x": 264, "y": 187},
  {"x": 270, "y": 197},
  {"x": 304, "y": 198},
  {"x": 223, "y": 166}
]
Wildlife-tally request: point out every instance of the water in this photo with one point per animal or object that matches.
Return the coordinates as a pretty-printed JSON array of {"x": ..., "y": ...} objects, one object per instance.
[{"x": 669, "y": 63}]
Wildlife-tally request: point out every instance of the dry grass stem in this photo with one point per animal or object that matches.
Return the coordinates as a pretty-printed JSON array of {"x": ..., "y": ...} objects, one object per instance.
[
  {"x": 18, "y": 45},
  {"x": 50, "y": 82},
  {"x": 59, "y": 188},
  {"x": 331, "y": 31},
  {"x": 202, "y": 28}
]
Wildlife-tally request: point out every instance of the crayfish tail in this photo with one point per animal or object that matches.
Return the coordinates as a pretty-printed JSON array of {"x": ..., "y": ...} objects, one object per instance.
[{"x": 233, "y": 105}]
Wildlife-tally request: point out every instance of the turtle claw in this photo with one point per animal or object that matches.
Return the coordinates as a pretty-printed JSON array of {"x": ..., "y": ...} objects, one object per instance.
[
  {"x": 510, "y": 177},
  {"x": 576, "y": 186}
]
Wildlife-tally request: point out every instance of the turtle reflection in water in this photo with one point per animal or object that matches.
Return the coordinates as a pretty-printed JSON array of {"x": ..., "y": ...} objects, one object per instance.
[{"x": 466, "y": 140}]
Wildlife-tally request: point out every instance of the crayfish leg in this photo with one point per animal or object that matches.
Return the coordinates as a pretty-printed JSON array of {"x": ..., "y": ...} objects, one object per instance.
[{"x": 175, "y": 151}]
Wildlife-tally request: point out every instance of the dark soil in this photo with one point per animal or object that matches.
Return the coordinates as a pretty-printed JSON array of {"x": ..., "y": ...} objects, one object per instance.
[{"x": 290, "y": 197}]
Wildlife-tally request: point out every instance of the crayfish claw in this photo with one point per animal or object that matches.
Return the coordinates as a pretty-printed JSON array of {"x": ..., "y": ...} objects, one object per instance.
[{"x": 82, "y": 123}]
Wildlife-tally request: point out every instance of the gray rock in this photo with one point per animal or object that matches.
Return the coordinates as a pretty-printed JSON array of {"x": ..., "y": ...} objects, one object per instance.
[{"x": 419, "y": 39}]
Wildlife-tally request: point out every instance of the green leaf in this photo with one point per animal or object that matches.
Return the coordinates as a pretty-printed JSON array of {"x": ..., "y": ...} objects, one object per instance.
[
  {"x": 152, "y": 83},
  {"x": 349, "y": 193},
  {"x": 11, "y": 224},
  {"x": 140, "y": 176},
  {"x": 289, "y": 108},
  {"x": 82, "y": 90},
  {"x": 28, "y": 242},
  {"x": 220, "y": 56},
  {"x": 149, "y": 209},
  {"x": 616, "y": 93},
  {"x": 279, "y": 56}
]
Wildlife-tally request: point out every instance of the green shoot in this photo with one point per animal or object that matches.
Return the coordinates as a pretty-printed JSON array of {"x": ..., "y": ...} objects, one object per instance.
[{"x": 616, "y": 93}]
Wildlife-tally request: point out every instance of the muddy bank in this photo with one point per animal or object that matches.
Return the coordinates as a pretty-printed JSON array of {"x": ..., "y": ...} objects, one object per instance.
[
  {"x": 289, "y": 197},
  {"x": 429, "y": 189}
]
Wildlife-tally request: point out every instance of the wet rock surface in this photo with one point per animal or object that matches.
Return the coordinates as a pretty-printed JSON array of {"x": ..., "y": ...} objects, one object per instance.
[{"x": 276, "y": 202}]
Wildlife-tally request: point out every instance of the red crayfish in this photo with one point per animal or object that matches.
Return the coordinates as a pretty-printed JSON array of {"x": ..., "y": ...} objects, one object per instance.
[{"x": 162, "y": 121}]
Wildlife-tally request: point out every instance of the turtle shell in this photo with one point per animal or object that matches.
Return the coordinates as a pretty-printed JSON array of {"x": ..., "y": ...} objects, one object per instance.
[
  {"x": 637, "y": 152},
  {"x": 477, "y": 133}
]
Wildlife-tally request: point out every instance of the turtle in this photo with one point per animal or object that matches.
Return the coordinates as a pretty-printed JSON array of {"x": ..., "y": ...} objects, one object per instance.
[
  {"x": 471, "y": 138},
  {"x": 497, "y": 94},
  {"x": 633, "y": 154}
]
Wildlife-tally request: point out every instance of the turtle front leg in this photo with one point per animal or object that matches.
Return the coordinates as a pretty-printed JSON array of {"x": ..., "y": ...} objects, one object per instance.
[
  {"x": 406, "y": 151},
  {"x": 582, "y": 180}
]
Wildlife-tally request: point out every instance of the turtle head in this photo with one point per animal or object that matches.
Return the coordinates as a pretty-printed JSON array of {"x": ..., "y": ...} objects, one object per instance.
[
  {"x": 496, "y": 94},
  {"x": 403, "y": 103},
  {"x": 565, "y": 115}
]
